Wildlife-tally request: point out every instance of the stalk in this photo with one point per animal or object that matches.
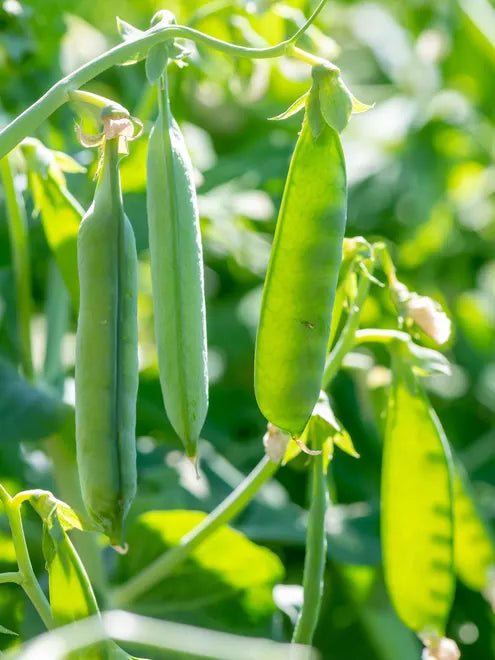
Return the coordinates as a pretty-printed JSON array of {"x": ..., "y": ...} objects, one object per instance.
[
  {"x": 228, "y": 509},
  {"x": 316, "y": 545},
  {"x": 18, "y": 235},
  {"x": 27, "y": 123},
  {"x": 26, "y": 577}
]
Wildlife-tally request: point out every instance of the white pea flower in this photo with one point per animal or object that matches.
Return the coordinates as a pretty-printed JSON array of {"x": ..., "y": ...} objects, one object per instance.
[
  {"x": 275, "y": 442},
  {"x": 429, "y": 316},
  {"x": 439, "y": 648}
]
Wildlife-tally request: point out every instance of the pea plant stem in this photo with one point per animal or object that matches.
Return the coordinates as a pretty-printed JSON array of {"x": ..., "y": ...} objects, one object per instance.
[
  {"x": 18, "y": 234},
  {"x": 314, "y": 563},
  {"x": 347, "y": 337},
  {"x": 224, "y": 513},
  {"x": 26, "y": 577},
  {"x": 27, "y": 122},
  {"x": 379, "y": 336}
]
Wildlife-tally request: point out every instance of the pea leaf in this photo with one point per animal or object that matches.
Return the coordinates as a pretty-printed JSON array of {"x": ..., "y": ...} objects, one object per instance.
[
  {"x": 227, "y": 572},
  {"x": 313, "y": 110},
  {"x": 6, "y": 631},
  {"x": 28, "y": 412},
  {"x": 293, "y": 109},
  {"x": 129, "y": 33},
  {"x": 323, "y": 422},
  {"x": 417, "y": 507},
  {"x": 335, "y": 98},
  {"x": 156, "y": 62},
  {"x": 60, "y": 212},
  {"x": 46, "y": 505}
]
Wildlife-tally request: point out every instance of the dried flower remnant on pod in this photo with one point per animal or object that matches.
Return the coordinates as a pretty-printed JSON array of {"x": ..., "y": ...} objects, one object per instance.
[
  {"x": 275, "y": 442},
  {"x": 439, "y": 648}
]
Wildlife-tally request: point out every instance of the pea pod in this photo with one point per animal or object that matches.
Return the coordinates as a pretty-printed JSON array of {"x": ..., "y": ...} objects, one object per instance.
[
  {"x": 177, "y": 277},
  {"x": 416, "y": 507},
  {"x": 474, "y": 547},
  {"x": 106, "y": 353},
  {"x": 299, "y": 292}
]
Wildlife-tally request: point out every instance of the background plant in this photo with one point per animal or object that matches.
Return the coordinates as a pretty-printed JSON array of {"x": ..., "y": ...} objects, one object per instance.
[{"x": 419, "y": 166}]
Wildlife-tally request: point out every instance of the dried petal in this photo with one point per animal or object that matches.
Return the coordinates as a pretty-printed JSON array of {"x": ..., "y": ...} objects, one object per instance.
[{"x": 275, "y": 442}]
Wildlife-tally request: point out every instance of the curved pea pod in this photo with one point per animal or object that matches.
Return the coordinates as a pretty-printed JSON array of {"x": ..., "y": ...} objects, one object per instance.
[
  {"x": 106, "y": 353},
  {"x": 177, "y": 277},
  {"x": 299, "y": 291},
  {"x": 474, "y": 548},
  {"x": 417, "y": 524}
]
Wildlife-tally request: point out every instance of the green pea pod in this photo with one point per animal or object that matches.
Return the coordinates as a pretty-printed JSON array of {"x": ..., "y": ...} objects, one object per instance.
[
  {"x": 106, "y": 353},
  {"x": 416, "y": 507},
  {"x": 177, "y": 277},
  {"x": 474, "y": 547},
  {"x": 299, "y": 292}
]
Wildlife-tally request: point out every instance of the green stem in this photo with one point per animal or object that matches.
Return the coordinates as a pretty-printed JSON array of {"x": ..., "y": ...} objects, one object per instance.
[
  {"x": 379, "y": 336},
  {"x": 18, "y": 234},
  {"x": 304, "y": 56},
  {"x": 27, "y": 578},
  {"x": 347, "y": 337},
  {"x": 224, "y": 513},
  {"x": 12, "y": 576},
  {"x": 314, "y": 563},
  {"x": 26, "y": 123}
]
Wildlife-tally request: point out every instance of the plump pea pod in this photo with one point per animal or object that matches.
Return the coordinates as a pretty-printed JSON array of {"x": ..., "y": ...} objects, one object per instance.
[
  {"x": 299, "y": 292},
  {"x": 474, "y": 547},
  {"x": 106, "y": 353},
  {"x": 177, "y": 277},
  {"x": 417, "y": 526}
]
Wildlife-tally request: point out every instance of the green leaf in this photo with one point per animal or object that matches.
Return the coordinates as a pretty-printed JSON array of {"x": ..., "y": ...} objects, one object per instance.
[
  {"x": 28, "y": 412},
  {"x": 227, "y": 579},
  {"x": 329, "y": 429},
  {"x": 426, "y": 361},
  {"x": 474, "y": 549},
  {"x": 156, "y": 62},
  {"x": 61, "y": 213},
  {"x": 417, "y": 507},
  {"x": 358, "y": 106},
  {"x": 313, "y": 110},
  {"x": 6, "y": 631},
  {"x": 46, "y": 504},
  {"x": 335, "y": 98},
  {"x": 71, "y": 594},
  {"x": 129, "y": 33},
  {"x": 292, "y": 109}
]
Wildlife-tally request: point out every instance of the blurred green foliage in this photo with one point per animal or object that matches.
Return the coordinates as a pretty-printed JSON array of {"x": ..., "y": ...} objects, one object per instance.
[{"x": 421, "y": 170}]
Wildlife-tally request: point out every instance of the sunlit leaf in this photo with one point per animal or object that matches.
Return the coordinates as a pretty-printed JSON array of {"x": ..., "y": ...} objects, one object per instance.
[
  {"x": 227, "y": 571},
  {"x": 28, "y": 412}
]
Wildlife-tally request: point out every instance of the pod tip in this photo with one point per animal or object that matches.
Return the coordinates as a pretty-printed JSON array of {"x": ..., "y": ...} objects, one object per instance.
[{"x": 195, "y": 462}]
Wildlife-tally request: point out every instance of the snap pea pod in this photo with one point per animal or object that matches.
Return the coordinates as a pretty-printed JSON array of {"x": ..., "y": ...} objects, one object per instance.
[
  {"x": 417, "y": 526},
  {"x": 106, "y": 353},
  {"x": 299, "y": 291},
  {"x": 177, "y": 277}
]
